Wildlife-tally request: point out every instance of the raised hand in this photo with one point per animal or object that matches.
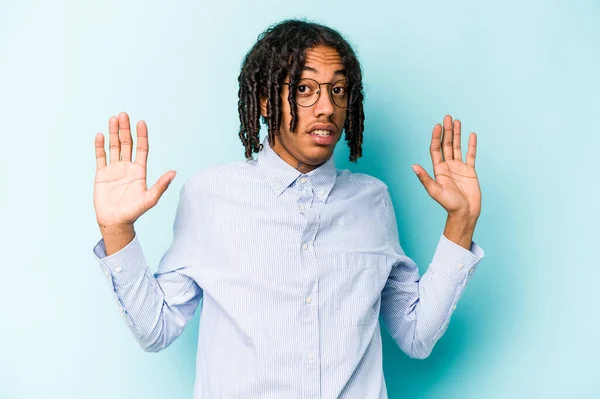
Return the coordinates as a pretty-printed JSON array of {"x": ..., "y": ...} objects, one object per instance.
[
  {"x": 120, "y": 192},
  {"x": 456, "y": 186}
]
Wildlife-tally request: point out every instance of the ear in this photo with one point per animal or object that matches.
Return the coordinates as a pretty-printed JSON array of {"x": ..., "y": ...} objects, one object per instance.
[{"x": 263, "y": 106}]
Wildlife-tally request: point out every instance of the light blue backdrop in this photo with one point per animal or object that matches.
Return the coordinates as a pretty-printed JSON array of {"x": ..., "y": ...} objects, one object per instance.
[{"x": 523, "y": 75}]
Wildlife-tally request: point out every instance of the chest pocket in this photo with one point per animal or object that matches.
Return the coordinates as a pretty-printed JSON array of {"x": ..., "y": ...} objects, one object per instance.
[{"x": 358, "y": 295}]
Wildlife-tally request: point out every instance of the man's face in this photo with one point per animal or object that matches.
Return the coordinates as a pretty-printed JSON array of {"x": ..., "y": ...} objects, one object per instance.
[{"x": 303, "y": 149}]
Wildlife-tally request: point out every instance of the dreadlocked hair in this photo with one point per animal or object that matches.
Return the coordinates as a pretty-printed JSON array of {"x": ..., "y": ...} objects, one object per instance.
[{"x": 279, "y": 52}]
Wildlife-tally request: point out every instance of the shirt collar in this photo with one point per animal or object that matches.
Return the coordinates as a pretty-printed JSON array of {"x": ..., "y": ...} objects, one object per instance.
[{"x": 280, "y": 175}]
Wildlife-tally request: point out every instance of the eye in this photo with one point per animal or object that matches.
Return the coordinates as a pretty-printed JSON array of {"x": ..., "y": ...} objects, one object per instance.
[
  {"x": 339, "y": 90},
  {"x": 306, "y": 87},
  {"x": 304, "y": 90}
]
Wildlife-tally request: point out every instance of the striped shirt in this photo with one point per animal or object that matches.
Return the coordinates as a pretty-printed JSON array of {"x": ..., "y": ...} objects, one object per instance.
[{"x": 295, "y": 272}]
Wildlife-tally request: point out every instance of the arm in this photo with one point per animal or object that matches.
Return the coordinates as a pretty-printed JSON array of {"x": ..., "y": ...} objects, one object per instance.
[
  {"x": 156, "y": 308},
  {"x": 416, "y": 310}
]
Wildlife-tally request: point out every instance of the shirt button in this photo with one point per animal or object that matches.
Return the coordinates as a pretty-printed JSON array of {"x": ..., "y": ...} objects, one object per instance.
[
  {"x": 308, "y": 300},
  {"x": 303, "y": 180},
  {"x": 118, "y": 269},
  {"x": 311, "y": 357},
  {"x": 454, "y": 307},
  {"x": 301, "y": 207},
  {"x": 460, "y": 265},
  {"x": 305, "y": 246},
  {"x": 471, "y": 271}
]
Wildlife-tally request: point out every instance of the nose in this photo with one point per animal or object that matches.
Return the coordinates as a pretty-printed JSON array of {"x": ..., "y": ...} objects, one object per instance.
[{"x": 324, "y": 105}]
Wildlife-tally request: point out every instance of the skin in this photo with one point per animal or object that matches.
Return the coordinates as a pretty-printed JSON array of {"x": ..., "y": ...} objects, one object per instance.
[
  {"x": 456, "y": 186},
  {"x": 120, "y": 192},
  {"x": 298, "y": 148},
  {"x": 121, "y": 195}
]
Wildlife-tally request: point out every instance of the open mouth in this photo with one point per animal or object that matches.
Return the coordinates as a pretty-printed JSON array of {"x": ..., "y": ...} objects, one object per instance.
[
  {"x": 321, "y": 133},
  {"x": 322, "y": 136}
]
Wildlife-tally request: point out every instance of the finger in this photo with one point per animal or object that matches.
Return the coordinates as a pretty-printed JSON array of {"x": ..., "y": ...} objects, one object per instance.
[
  {"x": 456, "y": 141},
  {"x": 159, "y": 188},
  {"x": 124, "y": 132},
  {"x": 433, "y": 188},
  {"x": 100, "y": 153},
  {"x": 113, "y": 139},
  {"x": 141, "y": 151},
  {"x": 447, "y": 139},
  {"x": 435, "y": 149},
  {"x": 472, "y": 151},
  {"x": 125, "y": 136}
]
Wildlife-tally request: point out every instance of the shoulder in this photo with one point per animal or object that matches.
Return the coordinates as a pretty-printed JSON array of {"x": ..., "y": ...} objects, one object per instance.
[
  {"x": 220, "y": 174},
  {"x": 360, "y": 181}
]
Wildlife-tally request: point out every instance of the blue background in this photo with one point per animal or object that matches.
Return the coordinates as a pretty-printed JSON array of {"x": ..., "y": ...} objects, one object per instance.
[{"x": 523, "y": 75}]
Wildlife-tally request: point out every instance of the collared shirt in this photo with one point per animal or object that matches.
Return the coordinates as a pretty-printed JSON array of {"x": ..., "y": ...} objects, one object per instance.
[{"x": 295, "y": 273}]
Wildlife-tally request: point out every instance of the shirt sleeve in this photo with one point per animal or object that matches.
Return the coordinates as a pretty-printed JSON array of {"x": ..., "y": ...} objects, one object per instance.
[
  {"x": 416, "y": 310},
  {"x": 156, "y": 307}
]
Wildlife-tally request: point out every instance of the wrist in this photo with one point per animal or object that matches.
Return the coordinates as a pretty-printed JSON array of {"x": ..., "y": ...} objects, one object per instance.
[
  {"x": 462, "y": 219},
  {"x": 115, "y": 228},
  {"x": 113, "y": 231},
  {"x": 116, "y": 237},
  {"x": 459, "y": 229}
]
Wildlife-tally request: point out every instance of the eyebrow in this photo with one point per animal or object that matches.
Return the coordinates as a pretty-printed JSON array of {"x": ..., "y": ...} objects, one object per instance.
[{"x": 338, "y": 72}]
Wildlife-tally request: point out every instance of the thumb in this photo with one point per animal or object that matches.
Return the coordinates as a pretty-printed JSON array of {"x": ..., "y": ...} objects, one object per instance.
[
  {"x": 159, "y": 188},
  {"x": 433, "y": 188}
]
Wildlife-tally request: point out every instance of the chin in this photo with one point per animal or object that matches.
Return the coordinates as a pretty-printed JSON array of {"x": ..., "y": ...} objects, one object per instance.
[{"x": 316, "y": 159}]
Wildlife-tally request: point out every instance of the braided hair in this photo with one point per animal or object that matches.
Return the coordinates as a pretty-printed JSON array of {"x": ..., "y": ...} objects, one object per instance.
[{"x": 278, "y": 52}]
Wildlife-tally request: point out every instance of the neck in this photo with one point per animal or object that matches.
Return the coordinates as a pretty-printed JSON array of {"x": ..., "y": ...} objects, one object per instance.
[
  {"x": 304, "y": 168},
  {"x": 290, "y": 160}
]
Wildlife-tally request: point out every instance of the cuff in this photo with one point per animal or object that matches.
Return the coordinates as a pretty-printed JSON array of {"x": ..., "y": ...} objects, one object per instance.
[
  {"x": 454, "y": 261},
  {"x": 124, "y": 265}
]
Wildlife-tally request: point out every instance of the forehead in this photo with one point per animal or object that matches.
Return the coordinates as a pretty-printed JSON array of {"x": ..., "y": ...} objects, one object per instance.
[{"x": 322, "y": 59}]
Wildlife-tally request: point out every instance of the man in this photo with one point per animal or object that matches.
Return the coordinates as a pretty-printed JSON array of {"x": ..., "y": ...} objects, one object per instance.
[{"x": 294, "y": 259}]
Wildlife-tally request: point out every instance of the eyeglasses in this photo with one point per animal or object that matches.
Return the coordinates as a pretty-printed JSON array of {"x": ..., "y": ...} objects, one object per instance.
[{"x": 307, "y": 92}]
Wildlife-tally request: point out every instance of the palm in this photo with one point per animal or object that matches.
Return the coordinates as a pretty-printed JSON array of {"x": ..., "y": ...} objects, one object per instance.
[
  {"x": 120, "y": 188},
  {"x": 459, "y": 186},
  {"x": 120, "y": 192},
  {"x": 456, "y": 186}
]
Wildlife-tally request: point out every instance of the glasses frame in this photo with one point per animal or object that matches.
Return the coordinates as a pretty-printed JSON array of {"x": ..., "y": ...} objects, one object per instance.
[{"x": 293, "y": 84}]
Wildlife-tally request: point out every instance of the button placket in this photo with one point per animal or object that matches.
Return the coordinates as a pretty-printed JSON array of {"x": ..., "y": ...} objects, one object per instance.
[
  {"x": 310, "y": 270},
  {"x": 305, "y": 198},
  {"x": 310, "y": 299}
]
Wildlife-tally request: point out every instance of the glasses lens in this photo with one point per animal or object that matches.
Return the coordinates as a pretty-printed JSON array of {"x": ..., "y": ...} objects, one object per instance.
[
  {"x": 307, "y": 92},
  {"x": 340, "y": 94}
]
